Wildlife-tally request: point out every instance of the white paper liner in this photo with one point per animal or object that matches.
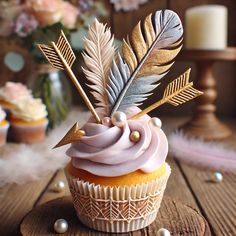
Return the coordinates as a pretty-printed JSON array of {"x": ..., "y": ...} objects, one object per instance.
[{"x": 117, "y": 209}]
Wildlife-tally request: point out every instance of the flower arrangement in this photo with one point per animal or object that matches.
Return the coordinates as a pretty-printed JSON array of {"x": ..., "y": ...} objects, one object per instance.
[{"x": 31, "y": 20}]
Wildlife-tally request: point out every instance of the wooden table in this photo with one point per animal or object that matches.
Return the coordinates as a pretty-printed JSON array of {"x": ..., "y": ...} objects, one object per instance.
[{"x": 216, "y": 202}]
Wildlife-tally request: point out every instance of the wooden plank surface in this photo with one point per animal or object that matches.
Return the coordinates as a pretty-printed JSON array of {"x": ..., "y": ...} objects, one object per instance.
[
  {"x": 16, "y": 201},
  {"x": 175, "y": 216},
  {"x": 217, "y": 201},
  {"x": 50, "y": 193}
]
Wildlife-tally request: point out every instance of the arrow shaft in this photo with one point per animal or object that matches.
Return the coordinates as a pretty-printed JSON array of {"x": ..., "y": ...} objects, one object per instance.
[
  {"x": 148, "y": 109},
  {"x": 77, "y": 84}
]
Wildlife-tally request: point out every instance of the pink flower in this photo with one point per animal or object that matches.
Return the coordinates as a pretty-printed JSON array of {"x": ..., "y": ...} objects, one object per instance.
[
  {"x": 9, "y": 10},
  {"x": 47, "y": 12},
  {"x": 25, "y": 24},
  {"x": 69, "y": 15}
]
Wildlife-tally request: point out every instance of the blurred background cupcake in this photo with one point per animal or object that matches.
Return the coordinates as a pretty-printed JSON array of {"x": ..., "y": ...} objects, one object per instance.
[
  {"x": 28, "y": 121},
  {"x": 12, "y": 93},
  {"x": 4, "y": 125}
]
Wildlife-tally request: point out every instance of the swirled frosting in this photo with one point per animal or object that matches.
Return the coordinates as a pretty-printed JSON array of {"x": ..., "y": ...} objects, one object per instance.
[
  {"x": 14, "y": 92},
  {"x": 2, "y": 115},
  {"x": 108, "y": 151},
  {"x": 30, "y": 110}
]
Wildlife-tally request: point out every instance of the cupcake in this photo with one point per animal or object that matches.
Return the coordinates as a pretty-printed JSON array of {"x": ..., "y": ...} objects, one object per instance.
[
  {"x": 118, "y": 171},
  {"x": 12, "y": 93},
  {"x": 117, "y": 181},
  {"x": 4, "y": 125},
  {"x": 28, "y": 121}
]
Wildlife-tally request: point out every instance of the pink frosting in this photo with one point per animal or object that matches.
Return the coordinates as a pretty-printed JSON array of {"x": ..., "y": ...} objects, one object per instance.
[
  {"x": 108, "y": 151},
  {"x": 13, "y": 92}
]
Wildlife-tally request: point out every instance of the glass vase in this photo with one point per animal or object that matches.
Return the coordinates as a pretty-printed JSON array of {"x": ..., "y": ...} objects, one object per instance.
[{"x": 54, "y": 89}]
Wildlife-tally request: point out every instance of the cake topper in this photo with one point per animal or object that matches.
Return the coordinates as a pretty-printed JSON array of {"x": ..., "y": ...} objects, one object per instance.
[
  {"x": 148, "y": 54},
  {"x": 61, "y": 56},
  {"x": 117, "y": 81},
  {"x": 98, "y": 56},
  {"x": 176, "y": 93}
]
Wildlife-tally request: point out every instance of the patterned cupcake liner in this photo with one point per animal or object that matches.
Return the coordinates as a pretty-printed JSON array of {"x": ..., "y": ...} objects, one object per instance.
[
  {"x": 117, "y": 209},
  {"x": 28, "y": 134}
]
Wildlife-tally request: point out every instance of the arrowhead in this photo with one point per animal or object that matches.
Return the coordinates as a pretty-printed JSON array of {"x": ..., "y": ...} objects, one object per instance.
[{"x": 74, "y": 134}]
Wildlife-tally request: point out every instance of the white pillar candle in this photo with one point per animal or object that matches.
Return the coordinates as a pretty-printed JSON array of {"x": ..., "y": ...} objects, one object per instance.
[{"x": 206, "y": 27}]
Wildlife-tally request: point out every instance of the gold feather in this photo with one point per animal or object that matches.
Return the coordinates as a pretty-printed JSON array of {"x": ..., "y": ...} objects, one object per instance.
[
  {"x": 176, "y": 93},
  {"x": 139, "y": 45},
  {"x": 150, "y": 50}
]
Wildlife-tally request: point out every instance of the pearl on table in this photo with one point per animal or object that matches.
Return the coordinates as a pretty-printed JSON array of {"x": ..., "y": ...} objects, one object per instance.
[
  {"x": 106, "y": 121},
  {"x": 163, "y": 232},
  {"x": 134, "y": 136},
  {"x": 218, "y": 177},
  {"x": 59, "y": 186},
  {"x": 60, "y": 226},
  {"x": 155, "y": 122},
  {"x": 119, "y": 119}
]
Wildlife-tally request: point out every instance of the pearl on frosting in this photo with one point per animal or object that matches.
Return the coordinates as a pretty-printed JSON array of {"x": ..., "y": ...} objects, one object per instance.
[
  {"x": 135, "y": 136},
  {"x": 119, "y": 119},
  {"x": 155, "y": 122},
  {"x": 106, "y": 121}
]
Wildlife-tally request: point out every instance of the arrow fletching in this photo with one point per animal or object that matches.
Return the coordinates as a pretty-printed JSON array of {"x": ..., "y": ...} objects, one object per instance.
[
  {"x": 180, "y": 90},
  {"x": 65, "y": 50},
  {"x": 61, "y": 56},
  {"x": 176, "y": 93}
]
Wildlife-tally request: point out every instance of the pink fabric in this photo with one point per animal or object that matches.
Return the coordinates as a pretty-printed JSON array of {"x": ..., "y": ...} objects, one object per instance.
[{"x": 108, "y": 151}]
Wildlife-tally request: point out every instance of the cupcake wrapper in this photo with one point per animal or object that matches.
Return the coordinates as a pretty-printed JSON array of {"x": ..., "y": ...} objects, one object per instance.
[
  {"x": 28, "y": 134},
  {"x": 117, "y": 209}
]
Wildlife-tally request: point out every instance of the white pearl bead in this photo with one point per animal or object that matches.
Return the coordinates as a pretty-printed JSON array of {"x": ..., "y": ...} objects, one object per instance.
[
  {"x": 218, "y": 177},
  {"x": 60, "y": 226},
  {"x": 163, "y": 232},
  {"x": 59, "y": 186},
  {"x": 106, "y": 121},
  {"x": 156, "y": 122},
  {"x": 119, "y": 119}
]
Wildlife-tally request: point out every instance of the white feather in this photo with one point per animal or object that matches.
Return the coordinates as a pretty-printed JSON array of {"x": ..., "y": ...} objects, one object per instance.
[
  {"x": 198, "y": 152},
  {"x": 98, "y": 55},
  {"x": 21, "y": 163}
]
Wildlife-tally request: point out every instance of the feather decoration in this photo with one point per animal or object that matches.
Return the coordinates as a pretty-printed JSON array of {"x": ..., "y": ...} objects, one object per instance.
[
  {"x": 138, "y": 91},
  {"x": 201, "y": 153},
  {"x": 98, "y": 55},
  {"x": 151, "y": 49}
]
